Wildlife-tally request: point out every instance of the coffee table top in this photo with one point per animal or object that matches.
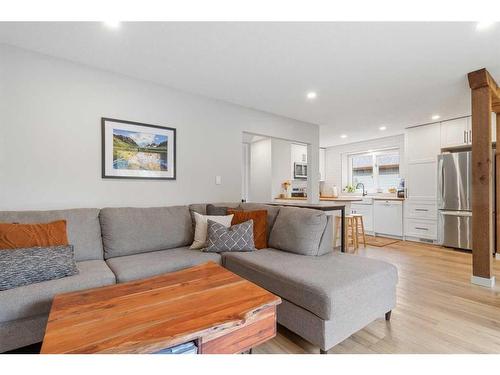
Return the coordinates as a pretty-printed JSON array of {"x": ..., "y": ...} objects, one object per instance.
[{"x": 145, "y": 316}]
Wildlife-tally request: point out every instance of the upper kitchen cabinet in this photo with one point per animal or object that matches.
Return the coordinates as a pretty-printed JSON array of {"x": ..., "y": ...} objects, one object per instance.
[
  {"x": 455, "y": 132},
  {"x": 322, "y": 162},
  {"x": 423, "y": 143},
  {"x": 299, "y": 156},
  {"x": 458, "y": 132},
  {"x": 299, "y": 153}
]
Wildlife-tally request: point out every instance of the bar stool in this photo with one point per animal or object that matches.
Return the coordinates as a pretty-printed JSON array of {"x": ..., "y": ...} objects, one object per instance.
[
  {"x": 351, "y": 237},
  {"x": 359, "y": 228}
]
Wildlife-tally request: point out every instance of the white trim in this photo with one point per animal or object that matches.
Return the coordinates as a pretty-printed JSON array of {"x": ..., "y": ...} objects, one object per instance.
[{"x": 483, "y": 281}]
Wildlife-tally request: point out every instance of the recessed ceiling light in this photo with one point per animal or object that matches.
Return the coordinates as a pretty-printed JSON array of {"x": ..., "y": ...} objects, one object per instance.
[
  {"x": 311, "y": 95},
  {"x": 112, "y": 24},
  {"x": 343, "y": 136},
  {"x": 436, "y": 117},
  {"x": 483, "y": 25},
  {"x": 382, "y": 128}
]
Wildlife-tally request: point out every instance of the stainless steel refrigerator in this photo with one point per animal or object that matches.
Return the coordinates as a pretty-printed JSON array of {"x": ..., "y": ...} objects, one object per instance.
[{"x": 454, "y": 200}]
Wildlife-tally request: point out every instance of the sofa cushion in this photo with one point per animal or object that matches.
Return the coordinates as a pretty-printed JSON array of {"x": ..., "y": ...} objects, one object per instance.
[
  {"x": 259, "y": 218},
  {"x": 82, "y": 224},
  {"x": 201, "y": 228},
  {"x": 35, "y": 299},
  {"x": 272, "y": 213},
  {"x": 132, "y": 230},
  {"x": 238, "y": 237},
  {"x": 299, "y": 230},
  {"x": 213, "y": 210},
  {"x": 20, "y": 267},
  {"x": 327, "y": 285},
  {"x": 201, "y": 208},
  {"x": 145, "y": 265},
  {"x": 21, "y": 236}
]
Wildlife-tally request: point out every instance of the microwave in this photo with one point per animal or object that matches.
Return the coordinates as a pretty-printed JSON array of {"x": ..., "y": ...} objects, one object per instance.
[{"x": 300, "y": 171}]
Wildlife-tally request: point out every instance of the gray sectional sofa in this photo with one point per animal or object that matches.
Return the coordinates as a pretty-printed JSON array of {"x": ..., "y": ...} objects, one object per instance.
[{"x": 326, "y": 296}]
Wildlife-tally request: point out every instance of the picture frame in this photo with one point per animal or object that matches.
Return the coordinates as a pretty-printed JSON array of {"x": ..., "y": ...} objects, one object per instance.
[{"x": 134, "y": 150}]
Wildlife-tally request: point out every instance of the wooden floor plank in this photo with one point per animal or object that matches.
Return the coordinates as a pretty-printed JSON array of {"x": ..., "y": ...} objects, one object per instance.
[{"x": 438, "y": 309}]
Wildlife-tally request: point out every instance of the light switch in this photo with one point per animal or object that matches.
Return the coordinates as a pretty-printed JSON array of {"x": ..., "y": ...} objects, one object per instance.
[{"x": 218, "y": 180}]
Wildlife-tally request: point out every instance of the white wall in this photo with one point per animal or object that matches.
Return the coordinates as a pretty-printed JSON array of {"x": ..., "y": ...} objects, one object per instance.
[
  {"x": 336, "y": 157},
  {"x": 281, "y": 161},
  {"x": 260, "y": 187},
  {"x": 50, "y": 141}
]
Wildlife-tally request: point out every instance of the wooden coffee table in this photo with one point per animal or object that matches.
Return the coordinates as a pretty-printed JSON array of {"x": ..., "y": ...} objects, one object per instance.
[{"x": 220, "y": 311}]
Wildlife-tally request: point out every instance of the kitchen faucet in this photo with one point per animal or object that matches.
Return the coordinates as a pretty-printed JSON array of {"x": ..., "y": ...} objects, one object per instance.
[{"x": 363, "y": 185}]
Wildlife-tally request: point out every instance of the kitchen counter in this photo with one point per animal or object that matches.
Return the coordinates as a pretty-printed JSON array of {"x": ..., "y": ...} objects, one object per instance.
[
  {"x": 388, "y": 199},
  {"x": 323, "y": 199}
]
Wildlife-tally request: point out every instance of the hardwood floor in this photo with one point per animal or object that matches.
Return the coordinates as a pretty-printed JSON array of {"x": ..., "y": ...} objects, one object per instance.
[{"x": 438, "y": 309}]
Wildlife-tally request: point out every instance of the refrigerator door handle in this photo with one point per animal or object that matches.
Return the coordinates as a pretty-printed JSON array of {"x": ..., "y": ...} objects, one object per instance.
[
  {"x": 440, "y": 182},
  {"x": 456, "y": 213}
]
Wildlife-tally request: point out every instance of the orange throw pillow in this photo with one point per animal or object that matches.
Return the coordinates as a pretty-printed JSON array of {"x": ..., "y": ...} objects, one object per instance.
[
  {"x": 259, "y": 218},
  {"x": 16, "y": 236}
]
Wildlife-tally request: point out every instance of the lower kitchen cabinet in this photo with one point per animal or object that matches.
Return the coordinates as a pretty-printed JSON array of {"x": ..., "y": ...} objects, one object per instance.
[
  {"x": 421, "y": 229},
  {"x": 365, "y": 209},
  {"x": 388, "y": 218},
  {"x": 421, "y": 220}
]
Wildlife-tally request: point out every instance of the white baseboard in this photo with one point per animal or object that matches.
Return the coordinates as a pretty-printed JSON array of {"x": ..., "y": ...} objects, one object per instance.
[{"x": 483, "y": 281}]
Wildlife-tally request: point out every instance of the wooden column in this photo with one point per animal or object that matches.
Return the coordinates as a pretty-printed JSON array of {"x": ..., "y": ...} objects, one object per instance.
[
  {"x": 497, "y": 187},
  {"x": 485, "y": 99},
  {"x": 482, "y": 182}
]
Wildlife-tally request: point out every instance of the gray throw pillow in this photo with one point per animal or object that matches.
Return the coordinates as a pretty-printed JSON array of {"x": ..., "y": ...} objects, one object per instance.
[
  {"x": 238, "y": 237},
  {"x": 26, "y": 266},
  {"x": 216, "y": 210}
]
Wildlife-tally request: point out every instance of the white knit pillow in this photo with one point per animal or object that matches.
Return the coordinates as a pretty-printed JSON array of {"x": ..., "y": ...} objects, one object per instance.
[{"x": 200, "y": 229}]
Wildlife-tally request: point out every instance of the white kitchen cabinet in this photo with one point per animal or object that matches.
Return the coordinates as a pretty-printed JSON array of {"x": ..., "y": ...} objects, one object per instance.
[
  {"x": 322, "y": 159},
  {"x": 415, "y": 209},
  {"x": 421, "y": 180},
  {"x": 455, "y": 132},
  {"x": 421, "y": 229},
  {"x": 388, "y": 218},
  {"x": 365, "y": 209},
  {"x": 458, "y": 132},
  {"x": 423, "y": 143},
  {"x": 299, "y": 153}
]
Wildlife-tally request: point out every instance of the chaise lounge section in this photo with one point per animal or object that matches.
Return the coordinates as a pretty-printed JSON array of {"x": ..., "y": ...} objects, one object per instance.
[{"x": 326, "y": 296}]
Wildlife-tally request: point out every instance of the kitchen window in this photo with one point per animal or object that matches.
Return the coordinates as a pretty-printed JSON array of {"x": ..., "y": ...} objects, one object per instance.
[{"x": 378, "y": 171}]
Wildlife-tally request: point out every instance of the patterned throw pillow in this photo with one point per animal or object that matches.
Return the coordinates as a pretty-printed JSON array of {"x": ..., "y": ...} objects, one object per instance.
[
  {"x": 20, "y": 267},
  {"x": 236, "y": 238}
]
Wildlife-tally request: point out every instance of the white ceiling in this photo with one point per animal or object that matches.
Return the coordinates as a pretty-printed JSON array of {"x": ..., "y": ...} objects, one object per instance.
[{"x": 366, "y": 74}]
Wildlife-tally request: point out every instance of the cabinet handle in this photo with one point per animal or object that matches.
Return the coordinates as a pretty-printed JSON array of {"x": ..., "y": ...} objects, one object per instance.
[
  {"x": 421, "y": 228},
  {"x": 470, "y": 136},
  {"x": 465, "y": 136},
  {"x": 421, "y": 209}
]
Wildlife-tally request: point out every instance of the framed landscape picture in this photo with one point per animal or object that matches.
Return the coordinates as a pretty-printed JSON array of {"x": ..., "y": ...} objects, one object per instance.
[{"x": 135, "y": 150}]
